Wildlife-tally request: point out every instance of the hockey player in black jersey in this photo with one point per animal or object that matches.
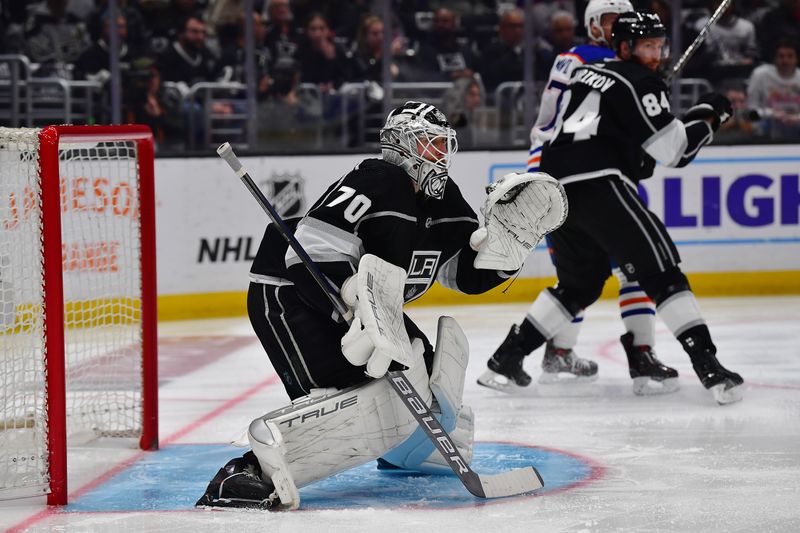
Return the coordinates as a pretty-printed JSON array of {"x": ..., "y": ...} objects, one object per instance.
[
  {"x": 614, "y": 117},
  {"x": 381, "y": 234}
]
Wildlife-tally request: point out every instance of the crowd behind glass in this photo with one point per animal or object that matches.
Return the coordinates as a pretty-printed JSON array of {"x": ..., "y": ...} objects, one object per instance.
[{"x": 312, "y": 56}]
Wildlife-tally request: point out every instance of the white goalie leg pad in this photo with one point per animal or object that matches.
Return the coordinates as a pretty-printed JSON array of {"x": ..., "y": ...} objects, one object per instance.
[
  {"x": 449, "y": 368},
  {"x": 325, "y": 433},
  {"x": 519, "y": 210}
]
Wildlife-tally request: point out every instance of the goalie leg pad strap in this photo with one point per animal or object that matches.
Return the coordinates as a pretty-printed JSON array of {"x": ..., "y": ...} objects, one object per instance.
[
  {"x": 325, "y": 433},
  {"x": 447, "y": 384},
  {"x": 267, "y": 444}
]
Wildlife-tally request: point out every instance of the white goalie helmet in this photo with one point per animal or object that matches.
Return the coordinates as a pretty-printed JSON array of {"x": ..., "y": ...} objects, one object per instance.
[
  {"x": 418, "y": 138},
  {"x": 595, "y": 11}
]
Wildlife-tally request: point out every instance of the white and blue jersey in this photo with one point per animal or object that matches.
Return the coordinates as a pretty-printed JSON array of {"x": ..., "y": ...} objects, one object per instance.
[{"x": 560, "y": 74}]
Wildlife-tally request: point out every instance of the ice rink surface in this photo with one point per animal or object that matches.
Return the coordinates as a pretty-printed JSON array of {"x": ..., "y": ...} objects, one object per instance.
[{"x": 613, "y": 461}]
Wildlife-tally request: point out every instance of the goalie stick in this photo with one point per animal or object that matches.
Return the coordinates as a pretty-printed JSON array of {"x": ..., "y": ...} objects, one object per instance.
[
  {"x": 510, "y": 483},
  {"x": 697, "y": 40}
]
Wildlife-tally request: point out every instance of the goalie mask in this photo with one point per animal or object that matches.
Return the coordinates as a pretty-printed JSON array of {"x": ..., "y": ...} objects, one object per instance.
[{"x": 418, "y": 138}]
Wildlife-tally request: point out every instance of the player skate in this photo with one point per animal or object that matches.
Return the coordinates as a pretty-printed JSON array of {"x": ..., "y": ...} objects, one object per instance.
[
  {"x": 505, "y": 371},
  {"x": 650, "y": 376},
  {"x": 562, "y": 365},
  {"x": 725, "y": 386}
]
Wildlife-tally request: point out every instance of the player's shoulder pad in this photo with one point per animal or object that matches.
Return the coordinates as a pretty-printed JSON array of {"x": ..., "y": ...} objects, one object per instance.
[{"x": 590, "y": 53}]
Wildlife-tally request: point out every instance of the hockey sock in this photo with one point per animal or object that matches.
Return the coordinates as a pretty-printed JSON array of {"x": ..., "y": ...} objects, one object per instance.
[
  {"x": 637, "y": 310},
  {"x": 545, "y": 318},
  {"x": 680, "y": 313},
  {"x": 567, "y": 336}
]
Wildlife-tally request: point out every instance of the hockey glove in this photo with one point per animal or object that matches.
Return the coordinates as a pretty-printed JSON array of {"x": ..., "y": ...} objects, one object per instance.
[
  {"x": 714, "y": 106},
  {"x": 519, "y": 210},
  {"x": 377, "y": 334}
]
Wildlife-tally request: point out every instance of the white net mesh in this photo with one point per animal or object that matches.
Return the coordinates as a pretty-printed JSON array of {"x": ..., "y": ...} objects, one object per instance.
[
  {"x": 101, "y": 252},
  {"x": 23, "y": 429}
]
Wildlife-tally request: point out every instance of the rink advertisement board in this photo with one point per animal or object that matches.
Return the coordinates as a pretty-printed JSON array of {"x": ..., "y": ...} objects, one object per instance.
[{"x": 733, "y": 214}]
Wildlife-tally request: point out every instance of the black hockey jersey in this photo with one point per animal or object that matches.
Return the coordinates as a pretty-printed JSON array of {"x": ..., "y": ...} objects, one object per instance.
[
  {"x": 374, "y": 209},
  {"x": 614, "y": 116}
]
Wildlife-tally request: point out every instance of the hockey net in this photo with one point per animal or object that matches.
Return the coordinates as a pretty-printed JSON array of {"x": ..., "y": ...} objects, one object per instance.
[{"x": 77, "y": 298}]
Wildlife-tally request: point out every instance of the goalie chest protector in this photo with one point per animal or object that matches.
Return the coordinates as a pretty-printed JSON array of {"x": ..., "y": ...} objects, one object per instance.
[{"x": 374, "y": 209}]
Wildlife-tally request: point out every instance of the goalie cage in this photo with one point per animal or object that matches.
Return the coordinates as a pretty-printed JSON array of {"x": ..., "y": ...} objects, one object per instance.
[{"x": 77, "y": 298}]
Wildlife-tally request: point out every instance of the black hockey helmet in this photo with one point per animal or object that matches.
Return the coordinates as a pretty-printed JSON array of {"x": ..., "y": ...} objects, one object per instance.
[{"x": 635, "y": 25}]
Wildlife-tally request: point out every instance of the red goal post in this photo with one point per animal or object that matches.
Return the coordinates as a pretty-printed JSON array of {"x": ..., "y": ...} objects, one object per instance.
[{"x": 78, "y": 320}]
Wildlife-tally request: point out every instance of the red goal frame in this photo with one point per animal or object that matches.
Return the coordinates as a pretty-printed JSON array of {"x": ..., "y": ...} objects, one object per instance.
[{"x": 49, "y": 139}]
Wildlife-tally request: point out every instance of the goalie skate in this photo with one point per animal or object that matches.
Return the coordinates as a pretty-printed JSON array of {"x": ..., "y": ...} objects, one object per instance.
[
  {"x": 505, "y": 372},
  {"x": 650, "y": 376},
  {"x": 239, "y": 485},
  {"x": 563, "y": 366}
]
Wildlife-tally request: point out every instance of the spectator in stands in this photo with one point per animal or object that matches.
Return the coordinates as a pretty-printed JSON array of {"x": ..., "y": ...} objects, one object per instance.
[
  {"x": 287, "y": 118},
  {"x": 223, "y": 18},
  {"x": 443, "y": 56},
  {"x": 233, "y": 55},
  {"x": 145, "y": 102},
  {"x": 54, "y": 37},
  {"x": 322, "y": 61},
  {"x": 163, "y": 19},
  {"x": 283, "y": 36},
  {"x": 560, "y": 37},
  {"x": 774, "y": 93},
  {"x": 731, "y": 42},
  {"x": 94, "y": 63},
  {"x": 138, "y": 34},
  {"x": 188, "y": 60},
  {"x": 368, "y": 57},
  {"x": 543, "y": 10},
  {"x": 739, "y": 129},
  {"x": 347, "y": 20},
  {"x": 782, "y": 22},
  {"x": 502, "y": 58},
  {"x": 460, "y": 105}
]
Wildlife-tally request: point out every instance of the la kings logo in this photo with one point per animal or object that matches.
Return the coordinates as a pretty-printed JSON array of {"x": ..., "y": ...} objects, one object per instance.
[
  {"x": 420, "y": 273},
  {"x": 285, "y": 192}
]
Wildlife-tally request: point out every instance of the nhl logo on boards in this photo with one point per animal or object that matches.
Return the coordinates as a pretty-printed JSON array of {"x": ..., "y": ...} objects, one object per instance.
[{"x": 286, "y": 193}]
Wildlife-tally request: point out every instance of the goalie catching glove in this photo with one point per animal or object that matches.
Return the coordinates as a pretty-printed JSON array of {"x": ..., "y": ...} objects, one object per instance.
[
  {"x": 377, "y": 334},
  {"x": 519, "y": 210}
]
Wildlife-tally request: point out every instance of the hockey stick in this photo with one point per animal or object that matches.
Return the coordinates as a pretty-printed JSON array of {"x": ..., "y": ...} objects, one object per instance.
[
  {"x": 698, "y": 40},
  {"x": 509, "y": 483}
]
